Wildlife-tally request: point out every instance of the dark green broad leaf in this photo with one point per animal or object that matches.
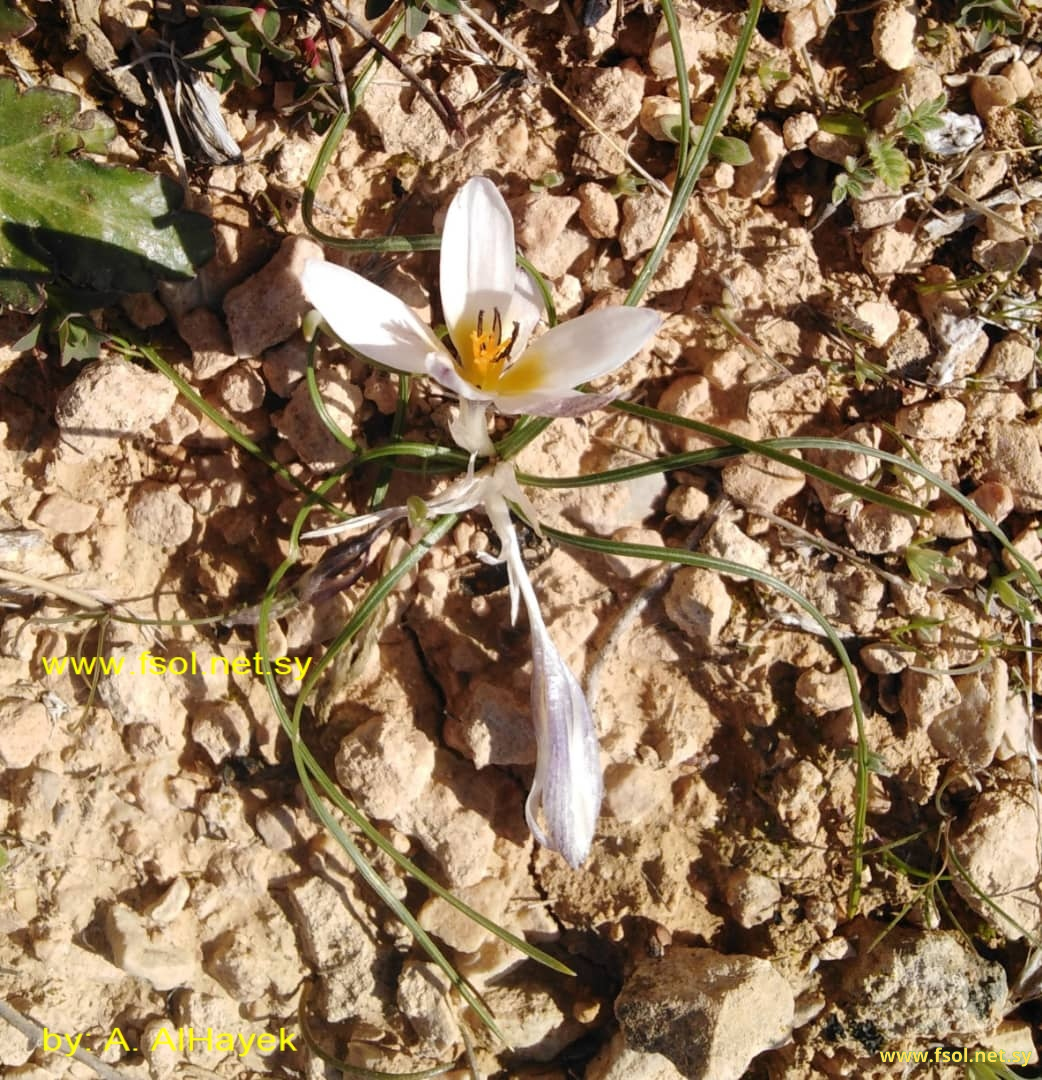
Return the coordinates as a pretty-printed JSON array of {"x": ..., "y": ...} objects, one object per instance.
[
  {"x": 62, "y": 216},
  {"x": 375, "y": 8},
  {"x": 13, "y": 24}
]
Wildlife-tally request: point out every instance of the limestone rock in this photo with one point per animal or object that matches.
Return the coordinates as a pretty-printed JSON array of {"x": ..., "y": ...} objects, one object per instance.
[
  {"x": 166, "y": 959},
  {"x": 340, "y": 946},
  {"x": 598, "y": 211},
  {"x": 922, "y": 985},
  {"x": 753, "y": 898},
  {"x": 241, "y": 389},
  {"x": 708, "y": 1013},
  {"x": 878, "y": 530},
  {"x": 63, "y": 514},
  {"x": 932, "y": 419},
  {"x": 699, "y": 603},
  {"x": 267, "y": 308},
  {"x": 616, "y": 1061},
  {"x": 25, "y": 730},
  {"x": 999, "y": 849},
  {"x": 300, "y": 426},
  {"x": 760, "y": 484},
  {"x": 893, "y": 36},
  {"x": 205, "y": 334},
  {"x": 633, "y": 792},
  {"x": 990, "y": 92},
  {"x": 157, "y": 513},
  {"x": 611, "y": 96},
  {"x": 642, "y": 217},
  {"x": 1009, "y": 360},
  {"x": 404, "y": 121},
  {"x": 423, "y": 996},
  {"x": 970, "y": 732},
  {"x": 754, "y": 179},
  {"x": 1013, "y": 456},
  {"x": 265, "y": 960},
  {"x": 111, "y": 400}
]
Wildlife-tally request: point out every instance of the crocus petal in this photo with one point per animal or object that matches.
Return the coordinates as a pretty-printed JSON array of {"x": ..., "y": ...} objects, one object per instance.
[
  {"x": 553, "y": 404},
  {"x": 470, "y": 428},
  {"x": 526, "y": 309},
  {"x": 567, "y": 785},
  {"x": 370, "y": 319},
  {"x": 582, "y": 349},
  {"x": 477, "y": 259}
]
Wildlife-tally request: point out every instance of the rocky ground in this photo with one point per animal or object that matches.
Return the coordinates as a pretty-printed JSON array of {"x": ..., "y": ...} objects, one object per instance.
[{"x": 164, "y": 870}]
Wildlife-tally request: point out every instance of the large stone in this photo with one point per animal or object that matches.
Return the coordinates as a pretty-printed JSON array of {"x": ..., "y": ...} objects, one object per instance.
[
  {"x": 708, "y": 1013},
  {"x": 267, "y": 308},
  {"x": 112, "y": 400},
  {"x": 999, "y": 851},
  {"x": 920, "y": 985}
]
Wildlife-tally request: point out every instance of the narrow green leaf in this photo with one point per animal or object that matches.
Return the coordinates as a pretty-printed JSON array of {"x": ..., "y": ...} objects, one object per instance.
[
  {"x": 844, "y": 123},
  {"x": 732, "y": 150},
  {"x": 415, "y": 20}
]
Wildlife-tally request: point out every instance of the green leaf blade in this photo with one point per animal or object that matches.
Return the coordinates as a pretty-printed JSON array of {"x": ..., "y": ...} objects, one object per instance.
[{"x": 104, "y": 228}]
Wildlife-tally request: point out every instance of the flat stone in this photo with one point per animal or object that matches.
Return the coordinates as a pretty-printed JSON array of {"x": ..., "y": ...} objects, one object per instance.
[
  {"x": 25, "y": 730},
  {"x": 63, "y": 514}
]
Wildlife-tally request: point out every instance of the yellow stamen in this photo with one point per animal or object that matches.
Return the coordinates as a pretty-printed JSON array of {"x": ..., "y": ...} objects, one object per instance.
[{"x": 489, "y": 352}]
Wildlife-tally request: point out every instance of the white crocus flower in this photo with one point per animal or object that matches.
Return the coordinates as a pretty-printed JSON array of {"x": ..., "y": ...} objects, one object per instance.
[
  {"x": 490, "y": 312},
  {"x": 567, "y": 786}
]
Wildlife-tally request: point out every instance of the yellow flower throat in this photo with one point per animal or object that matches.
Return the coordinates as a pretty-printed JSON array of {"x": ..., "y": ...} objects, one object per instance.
[{"x": 489, "y": 352}]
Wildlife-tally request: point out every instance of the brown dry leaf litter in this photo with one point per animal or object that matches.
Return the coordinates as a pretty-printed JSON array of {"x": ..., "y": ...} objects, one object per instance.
[{"x": 164, "y": 872}]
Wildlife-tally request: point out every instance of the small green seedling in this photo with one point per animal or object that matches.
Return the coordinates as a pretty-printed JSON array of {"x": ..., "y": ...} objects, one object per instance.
[
  {"x": 247, "y": 35},
  {"x": 996, "y": 18}
]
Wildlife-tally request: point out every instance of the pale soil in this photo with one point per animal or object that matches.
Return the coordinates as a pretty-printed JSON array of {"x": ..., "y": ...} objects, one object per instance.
[{"x": 164, "y": 868}]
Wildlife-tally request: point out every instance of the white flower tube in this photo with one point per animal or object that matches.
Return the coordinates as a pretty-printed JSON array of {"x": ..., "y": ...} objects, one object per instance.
[{"x": 567, "y": 787}]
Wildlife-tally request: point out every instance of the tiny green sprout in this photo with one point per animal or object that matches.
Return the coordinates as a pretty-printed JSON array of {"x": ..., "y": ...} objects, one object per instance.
[
  {"x": 876, "y": 763},
  {"x": 311, "y": 324},
  {"x": 919, "y": 626},
  {"x": 994, "y": 1070},
  {"x": 726, "y": 148},
  {"x": 1031, "y": 128},
  {"x": 926, "y": 116},
  {"x": 626, "y": 184},
  {"x": 549, "y": 179},
  {"x": 889, "y": 163},
  {"x": 996, "y": 18},
  {"x": 246, "y": 35},
  {"x": 926, "y": 565},
  {"x": 771, "y": 76},
  {"x": 416, "y": 509},
  {"x": 847, "y": 123},
  {"x": 852, "y": 181},
  {"x": 1002, "y": 588}
]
